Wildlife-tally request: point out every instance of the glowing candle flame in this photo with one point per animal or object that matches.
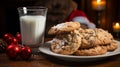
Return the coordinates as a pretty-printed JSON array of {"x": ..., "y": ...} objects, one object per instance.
[
  {"x": 98, "y": 4},
  {"x": 117, "y": 25},
  {"x": 98, "y": 1}
]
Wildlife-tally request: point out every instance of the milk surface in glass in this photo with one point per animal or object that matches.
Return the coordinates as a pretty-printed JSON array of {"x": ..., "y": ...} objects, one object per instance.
[{"x": 32, "y": 28}]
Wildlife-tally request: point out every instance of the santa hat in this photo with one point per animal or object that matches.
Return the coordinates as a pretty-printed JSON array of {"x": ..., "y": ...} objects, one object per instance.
[{"x": 80, "y": 16}]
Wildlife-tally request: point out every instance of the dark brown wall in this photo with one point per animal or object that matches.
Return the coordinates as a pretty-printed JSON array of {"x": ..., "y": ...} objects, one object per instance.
[
  {"x": 109, "y": 15},
  {"x": 9, "y": 21}
]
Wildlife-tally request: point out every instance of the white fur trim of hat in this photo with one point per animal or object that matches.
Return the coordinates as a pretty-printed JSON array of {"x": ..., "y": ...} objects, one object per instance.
[{"x": 84, "y": 20}]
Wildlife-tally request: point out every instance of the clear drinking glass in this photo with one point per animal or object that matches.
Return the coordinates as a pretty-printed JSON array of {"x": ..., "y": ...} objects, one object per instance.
[{"x": 32, "y": 25}]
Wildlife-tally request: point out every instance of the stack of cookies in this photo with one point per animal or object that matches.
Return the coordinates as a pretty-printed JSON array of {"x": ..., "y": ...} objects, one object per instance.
[{"x": 71, "y": 39}]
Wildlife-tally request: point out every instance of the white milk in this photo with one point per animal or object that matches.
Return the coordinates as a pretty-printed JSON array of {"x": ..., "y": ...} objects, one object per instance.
[{"x": 32, "y": 29}]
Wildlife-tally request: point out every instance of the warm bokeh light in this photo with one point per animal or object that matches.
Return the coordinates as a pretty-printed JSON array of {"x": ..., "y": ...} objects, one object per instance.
[
  {"x": 116, "y": 27},
  {"x": 117, "y": 24},
  {"x": 98, "y": 4},
  {"x": 98, "y": 1}
]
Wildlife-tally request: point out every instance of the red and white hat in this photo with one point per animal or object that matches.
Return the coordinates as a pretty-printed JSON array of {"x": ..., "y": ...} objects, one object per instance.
[{"x": 80, "y": 16}]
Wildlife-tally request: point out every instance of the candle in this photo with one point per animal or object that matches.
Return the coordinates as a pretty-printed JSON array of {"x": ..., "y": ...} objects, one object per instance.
[
  {"x": 116, "y": 27},
  {"x": 98, "y": 4}
]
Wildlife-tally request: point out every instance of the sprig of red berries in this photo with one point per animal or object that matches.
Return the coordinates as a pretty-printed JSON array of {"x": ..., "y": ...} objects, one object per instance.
[{"x": 13, "y": 47}]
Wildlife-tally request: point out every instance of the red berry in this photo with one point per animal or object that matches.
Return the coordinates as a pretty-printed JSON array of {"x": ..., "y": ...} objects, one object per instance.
[
  {"x": 25, "y": 53},
  {"x": 18, "y": 37},
  {"x": 7, "y": 37},
  {"x": 11, "y": 40},
  {"x": 12, "y": 51},
  {"x": 14, "y": 41}
]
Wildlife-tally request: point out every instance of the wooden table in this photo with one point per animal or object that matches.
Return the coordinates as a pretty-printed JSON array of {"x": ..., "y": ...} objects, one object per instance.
[{"x": 39, "y": 59}]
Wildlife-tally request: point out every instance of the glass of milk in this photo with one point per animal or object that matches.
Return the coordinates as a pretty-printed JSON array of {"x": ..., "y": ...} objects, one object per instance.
[{"x": 32, "y": 25}]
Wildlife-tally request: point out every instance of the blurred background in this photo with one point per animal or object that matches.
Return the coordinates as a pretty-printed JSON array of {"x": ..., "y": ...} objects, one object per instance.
[{"x": 9, "y": 18}]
